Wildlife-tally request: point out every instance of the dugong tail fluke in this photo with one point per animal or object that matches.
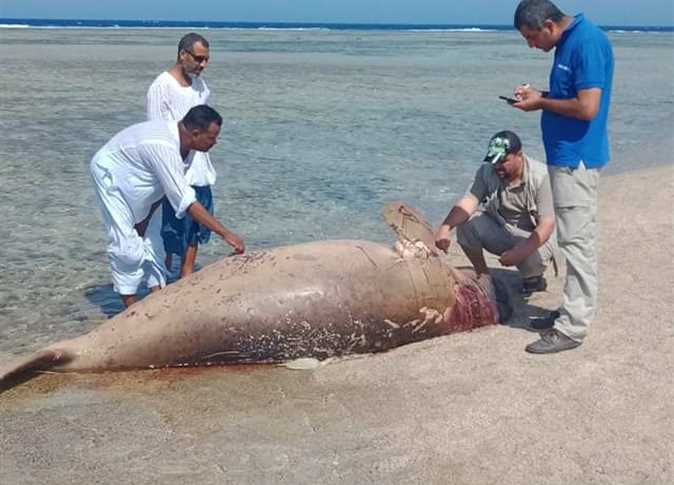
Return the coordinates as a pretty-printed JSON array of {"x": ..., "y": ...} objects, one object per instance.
[
  {"x": 314, "y": 300},
  {"x": 39, "y": 361}
]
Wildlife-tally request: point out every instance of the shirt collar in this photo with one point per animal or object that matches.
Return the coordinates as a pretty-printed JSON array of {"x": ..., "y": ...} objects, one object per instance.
[{"x": 577, "y": 19}]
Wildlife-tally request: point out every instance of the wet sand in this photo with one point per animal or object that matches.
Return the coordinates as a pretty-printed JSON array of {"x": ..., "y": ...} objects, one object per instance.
[{"x": 471, "y": 408}]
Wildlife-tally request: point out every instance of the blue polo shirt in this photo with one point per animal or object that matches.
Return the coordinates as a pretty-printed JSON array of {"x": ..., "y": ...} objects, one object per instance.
[{"x": 583, "y": 60}]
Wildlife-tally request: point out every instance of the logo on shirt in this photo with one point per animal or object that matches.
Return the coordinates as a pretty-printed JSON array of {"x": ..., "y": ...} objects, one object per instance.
[{"x": 564, "y": 68}]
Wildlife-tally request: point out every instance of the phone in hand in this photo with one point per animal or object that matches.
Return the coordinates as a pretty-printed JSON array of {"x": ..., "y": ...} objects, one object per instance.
[{"x": 509, "y": 100}]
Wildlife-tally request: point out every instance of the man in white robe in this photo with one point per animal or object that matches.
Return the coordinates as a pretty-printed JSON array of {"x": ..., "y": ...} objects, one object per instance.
[
  {"x": 170, "y": 96},
  {"x": 132, "y": 173}
]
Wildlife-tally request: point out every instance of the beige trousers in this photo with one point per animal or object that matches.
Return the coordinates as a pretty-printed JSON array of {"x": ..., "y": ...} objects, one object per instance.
[{"x": 574, "y": 192}]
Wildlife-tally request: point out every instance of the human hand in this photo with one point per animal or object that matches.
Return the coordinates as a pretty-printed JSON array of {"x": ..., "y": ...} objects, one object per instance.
[
  {"x": 141, "y": 227},
  {"x": 236, "y": 242},
  {"x": 529, "y": 98},
  {"x": 519, "y": 91},
  {"x": 511, "y": 257},
  {"x": 442, "y": 240}
]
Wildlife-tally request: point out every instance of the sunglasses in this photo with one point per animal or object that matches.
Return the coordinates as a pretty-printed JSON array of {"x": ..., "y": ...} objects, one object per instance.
[{"x": 198, "y": 59}]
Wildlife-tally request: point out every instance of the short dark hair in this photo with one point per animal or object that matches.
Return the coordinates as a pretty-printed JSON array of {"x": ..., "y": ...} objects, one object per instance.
[
  {"x": 188, "y": 41},
  {"x": 533, "y": 14},
  {"x": 200, "y": 118}
]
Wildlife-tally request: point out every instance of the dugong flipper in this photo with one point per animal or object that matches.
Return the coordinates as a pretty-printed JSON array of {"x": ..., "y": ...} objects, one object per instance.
[{"x": 318, "y": 300}]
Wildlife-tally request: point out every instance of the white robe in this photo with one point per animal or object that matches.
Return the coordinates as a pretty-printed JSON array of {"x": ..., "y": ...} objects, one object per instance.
[
  {"x": 131, "y": 172},
  {"x": 168, "y": 100}
]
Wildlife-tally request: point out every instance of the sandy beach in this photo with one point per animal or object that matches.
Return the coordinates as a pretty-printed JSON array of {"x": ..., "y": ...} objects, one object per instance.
[{"x": 471, "y": 408}]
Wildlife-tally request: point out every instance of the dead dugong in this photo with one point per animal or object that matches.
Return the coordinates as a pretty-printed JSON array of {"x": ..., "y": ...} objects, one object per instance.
[{"x": 317, "y": 300}]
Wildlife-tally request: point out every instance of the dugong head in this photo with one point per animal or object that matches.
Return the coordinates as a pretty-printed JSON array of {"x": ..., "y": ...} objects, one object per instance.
[{"x": 416, "y": 239}]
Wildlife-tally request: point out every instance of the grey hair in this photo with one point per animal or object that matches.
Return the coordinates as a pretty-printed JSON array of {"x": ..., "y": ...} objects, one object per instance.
[
  {"x": 188, "y": 41},
  {"x": 533, "y": 14}
]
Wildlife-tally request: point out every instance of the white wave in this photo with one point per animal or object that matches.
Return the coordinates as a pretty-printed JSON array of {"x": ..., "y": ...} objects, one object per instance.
[
  {"x": 98, "y": 27},
  {"x": 622, "y": 31},
  {"x": 467, "y": 29},
  {"x": 14, "y": 26},
  {"x": 293, "y": 28}
]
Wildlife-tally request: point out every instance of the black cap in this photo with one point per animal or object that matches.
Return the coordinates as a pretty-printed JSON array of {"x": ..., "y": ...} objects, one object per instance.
[{"x": 501, "y": 145}]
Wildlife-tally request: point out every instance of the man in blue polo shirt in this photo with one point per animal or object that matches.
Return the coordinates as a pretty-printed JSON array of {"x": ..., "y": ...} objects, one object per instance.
[{"x": 574, "y": 125}]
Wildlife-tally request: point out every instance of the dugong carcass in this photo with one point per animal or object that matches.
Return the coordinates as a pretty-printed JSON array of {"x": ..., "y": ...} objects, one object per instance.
[{"x": 319, "y": 299}]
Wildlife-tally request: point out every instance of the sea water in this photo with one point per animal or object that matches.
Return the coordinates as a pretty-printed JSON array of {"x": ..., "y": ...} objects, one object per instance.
[{"x": 321, "y": 129}]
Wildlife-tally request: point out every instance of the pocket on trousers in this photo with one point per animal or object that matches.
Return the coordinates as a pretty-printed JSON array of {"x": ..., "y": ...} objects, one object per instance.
[{"x": 573, "y": 187}]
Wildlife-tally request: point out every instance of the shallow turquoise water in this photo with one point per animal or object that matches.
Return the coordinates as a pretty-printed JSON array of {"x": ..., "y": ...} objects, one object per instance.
[{"x": 321, "y": 129}]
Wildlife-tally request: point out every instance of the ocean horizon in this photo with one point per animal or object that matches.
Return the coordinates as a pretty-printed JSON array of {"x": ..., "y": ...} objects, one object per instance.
[{"x": 247, "y": 25}]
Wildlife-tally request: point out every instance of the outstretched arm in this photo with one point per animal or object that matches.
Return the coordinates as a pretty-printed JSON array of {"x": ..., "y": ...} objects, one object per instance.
[
  {"x": 459, "y": 214},
  {"x": 203, "y": 217}
]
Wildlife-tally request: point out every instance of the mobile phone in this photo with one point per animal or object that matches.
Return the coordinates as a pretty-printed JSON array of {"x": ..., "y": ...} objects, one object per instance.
[{"x": 509, "y": 100}]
